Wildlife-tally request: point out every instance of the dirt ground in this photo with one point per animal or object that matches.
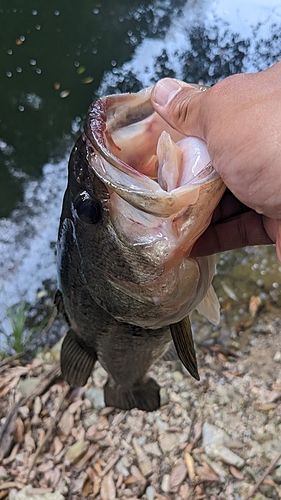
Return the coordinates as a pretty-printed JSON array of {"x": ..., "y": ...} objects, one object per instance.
[{"x": 212, "y": 439}]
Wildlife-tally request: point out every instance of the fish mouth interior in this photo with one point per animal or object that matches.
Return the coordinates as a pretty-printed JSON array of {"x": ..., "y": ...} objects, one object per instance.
[{"x": 142, "y": 158}]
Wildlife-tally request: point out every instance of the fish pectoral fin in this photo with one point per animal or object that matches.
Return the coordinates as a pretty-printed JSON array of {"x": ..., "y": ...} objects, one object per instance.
[
  {"x": 145, "y": 396},
  {"x": 182, "y": 336},
  {"x": 210, "y": 306},
  {"x": 171, "y": 354},
  {"x": 58, "y": 302},
  {"x": 77, "y": 363}
]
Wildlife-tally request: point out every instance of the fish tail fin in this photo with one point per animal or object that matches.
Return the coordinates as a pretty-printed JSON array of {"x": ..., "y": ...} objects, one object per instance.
[
  {"x": 145, "y": 396},
  {"x": 76, "y": 362}
]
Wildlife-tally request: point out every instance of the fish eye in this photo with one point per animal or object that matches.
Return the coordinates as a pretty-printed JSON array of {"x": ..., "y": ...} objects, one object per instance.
[{"x": 88, "y": 209}]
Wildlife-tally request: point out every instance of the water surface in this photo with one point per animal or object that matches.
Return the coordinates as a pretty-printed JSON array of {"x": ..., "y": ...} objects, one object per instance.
[{"x": 56, "y": 59}]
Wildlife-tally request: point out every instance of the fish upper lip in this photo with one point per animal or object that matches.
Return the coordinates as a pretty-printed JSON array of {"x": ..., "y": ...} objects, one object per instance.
[{"x": 138, "y": 189}]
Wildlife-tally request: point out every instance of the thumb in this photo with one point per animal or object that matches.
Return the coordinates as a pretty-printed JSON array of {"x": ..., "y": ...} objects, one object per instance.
[{"x": 180, "y": 105}]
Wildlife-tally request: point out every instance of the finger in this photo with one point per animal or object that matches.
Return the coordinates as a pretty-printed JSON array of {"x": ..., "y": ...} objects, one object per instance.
[
  {"x": 243, "y": 230},
  {"x": 179, "y": 104},
  {"x": 229, "y": 206}
]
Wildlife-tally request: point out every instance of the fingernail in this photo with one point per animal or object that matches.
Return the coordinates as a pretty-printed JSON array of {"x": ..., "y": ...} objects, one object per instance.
[{"x": 165, "y": 90}]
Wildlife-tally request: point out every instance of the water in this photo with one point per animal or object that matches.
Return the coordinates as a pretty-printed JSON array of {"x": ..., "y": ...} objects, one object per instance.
[{"x": 56, "y": 59}]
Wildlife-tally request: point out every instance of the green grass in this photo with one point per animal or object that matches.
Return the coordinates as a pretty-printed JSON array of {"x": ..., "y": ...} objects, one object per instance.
[{"x": 19, "y": 338}]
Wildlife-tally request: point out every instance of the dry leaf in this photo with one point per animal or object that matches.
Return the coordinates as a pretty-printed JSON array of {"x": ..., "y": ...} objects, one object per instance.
[
  {"x": 19, "y": 431},
  {"x": 107, "y": 491},
  {"x": 74, "y": 406},
  {"x": 177, "y": 476},
  {"x": 66, "y": 423},
  {"x": 97, "y": 467},
  {"x": 205, "y": 472},
  {"x": 190, "y": 466},
  {"x": 130, "y": 480},
  {"x": 137, "y": 474},
  {"x": 267, "y": 406},
  {"x": 238, "y": 474},
  {"x": 144, "y": 462},
  {"x": 184, "y": 491},
  {"x": 58, "y": 446},
  {"x": 97, "y": 485},
  {"x": 29, "y": 442},
  {"x": 37, "y": 406},
  {"x": 64, "y": 93},
  {"x": 254, "y": 305},
  {"x": 88, "y": 455},
  {"x": 87, "y": 488},
  {"x": 89, "y": 79},
  {"x": 197, "y": 431},
  {"x": 76, "y": 451}
]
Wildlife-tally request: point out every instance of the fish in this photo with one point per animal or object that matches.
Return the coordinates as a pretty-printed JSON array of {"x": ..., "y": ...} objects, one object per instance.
[{"x": 139, "y": 195}]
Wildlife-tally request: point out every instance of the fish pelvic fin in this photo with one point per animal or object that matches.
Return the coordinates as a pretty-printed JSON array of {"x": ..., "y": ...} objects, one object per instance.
[
  {"x": 182, "y": 336},
  {"x": 210, "y": 306},
  {"x": 76, "y": 362},
  {"x": 145, "y": 396}
]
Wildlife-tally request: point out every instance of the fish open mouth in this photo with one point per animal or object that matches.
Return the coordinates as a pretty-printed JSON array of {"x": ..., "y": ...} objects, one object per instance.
[{"x": 144, "y": 160}]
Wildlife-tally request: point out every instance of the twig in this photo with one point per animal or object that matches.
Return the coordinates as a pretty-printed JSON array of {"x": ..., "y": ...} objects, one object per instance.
[
  {"x": 268, "y": 470},
  {"x": 51, "y": 429},
  {"x": 110, "y": 464},
  {"x": 11, "y": 484},
  {"x": 45, "y": 330}
]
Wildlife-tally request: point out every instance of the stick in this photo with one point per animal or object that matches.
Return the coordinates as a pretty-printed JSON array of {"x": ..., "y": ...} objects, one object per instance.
[{"x": 268, "y": 470}]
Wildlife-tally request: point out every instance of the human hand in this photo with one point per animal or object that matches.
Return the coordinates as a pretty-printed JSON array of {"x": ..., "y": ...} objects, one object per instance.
[{"x": 239, "y": 119}]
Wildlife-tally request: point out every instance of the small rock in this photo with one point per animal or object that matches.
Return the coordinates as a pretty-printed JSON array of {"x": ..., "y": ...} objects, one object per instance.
[
  {"x": 161, "y": 426},
  {"x": 164, "y": 397},
  {"x": 213, "y": 439},
  {"x": 277, "y": 475},
  {"x": 27, "y": 493},
  {"x": 178, "y": 376},
  {"x": 26, "y": 386},
  {"x": 95, "y": 395},
  {"x": 213, "y": 435},
  {"x": 277, "y": 357},
  {"x": 150, "y": 493},
  {"x": 227, "y": 456},
  {"x": 121, "y": 468},
  {"x": 168, "y": 441},
  {"x": 153, "y": 449},
  {"x": 165, "y": 484},
  {"x": 271, "y": 448}
]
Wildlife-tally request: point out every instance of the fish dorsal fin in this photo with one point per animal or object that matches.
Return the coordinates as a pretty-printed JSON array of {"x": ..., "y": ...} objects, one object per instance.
[
  {"x": 183, "y": 340},
  {"x": 77, "y": 363},
  {"x": 210, "y": 306}
]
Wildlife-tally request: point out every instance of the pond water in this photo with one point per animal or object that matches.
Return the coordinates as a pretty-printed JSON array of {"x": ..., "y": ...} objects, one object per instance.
[{"x": 56, "y": 59}]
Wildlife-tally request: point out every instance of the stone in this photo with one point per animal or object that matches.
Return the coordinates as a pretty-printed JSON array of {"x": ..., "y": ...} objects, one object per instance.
[
  {"x": 95, "y": 395},
  {"x": 153, "y": 449},
  {"x": 150, "y": 493},
  {"x": 213, "y": 444},
  {"x": 28, "y": 492},
  {"x": 165, "y": 484},
  {"x": 168, "y": 441}
]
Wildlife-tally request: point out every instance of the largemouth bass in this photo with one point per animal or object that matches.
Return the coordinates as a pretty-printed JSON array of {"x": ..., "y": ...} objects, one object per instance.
[{"x": 139, "y": 195}]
